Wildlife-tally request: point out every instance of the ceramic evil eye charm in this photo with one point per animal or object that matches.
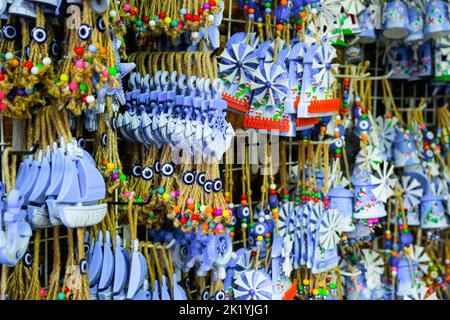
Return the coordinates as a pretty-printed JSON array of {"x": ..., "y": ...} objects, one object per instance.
[
  {"x": 27, "y": 259},
  {"x": 39, "y": 35},
  {"x": 201, "y": 178},
  {"x": 100, "y": 24},
  {"x": 208, "y": 186},
  {"x": 243, "y": 212},
  {"x": 104, "y": 140},
  {"x": 84, "y": 32},
  {"x": 219, "y": 295},
  {"x": 83, "y": 266},
  {"x": 136, "y": 171},
  {"x": 205, "y": 295},
  {"x": 168, "y": 169},
  {"x": 54, "y": 48},
  {"x": 217, "y": 185},
  {"x": 81, "y": 142},
  {"x": 188, "y": 177},
  {"x": 147, "y": 173},
  {"x": 9, "y": 32},
  {"x": 157, "y": 167}
]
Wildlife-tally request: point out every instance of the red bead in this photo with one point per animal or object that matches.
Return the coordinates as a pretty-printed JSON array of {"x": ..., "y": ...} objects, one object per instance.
[
  {"x": 303, "y": 198},
  {"x": 243, "y": 197},
  {"x": 316, "y": 200},
  {"x": 195, "y": 18},
  {"x": 200, "y": 11},
  {"x": 194, "y": 217},
  {"x": 79, "y": 51},
  {"x": 162, "y": 15},
  {"x": 2, "y": 76},
  {"x": 183, "y": 220},
  {"x": 212, "y": 3},
  {"x": 188, "y": 16},
  {"x": 273, "y": 192},
  {"x": 146, "y": 19},
  {"x": 84, "y": 99},
  {"x": 285, "y": 191},
  {"x": 28, "y": 64}
]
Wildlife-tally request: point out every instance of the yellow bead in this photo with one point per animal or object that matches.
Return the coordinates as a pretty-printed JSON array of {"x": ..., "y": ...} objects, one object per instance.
[
  {"x": 275, "y": 210},
  {"x": 315, "y": 292},
  {"x": 166, "y": 196},
  {"x": 225, "y": 213},
  {"x": 167, "y": 20},
  {"x": 321, "y": 284},
  {"x": 110, "y": 166},
  {"x": 227, "y": 194},
  {"x": 259, "y": 238},
  {"x": 64, "y": 77},
  {"x": 259, "y": 25},
  {"x": 305, "y": 282}
]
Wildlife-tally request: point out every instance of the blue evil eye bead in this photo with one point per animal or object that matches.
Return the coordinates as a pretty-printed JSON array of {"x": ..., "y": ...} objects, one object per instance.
[
  {"x": 27, "y": 52},
  {"x": 147, "y": 173},
  {"x": 219, "y": 295},
  {"x": 429, "y": 154},
  {"x": 158, "y": 167},
  {"x": 81, "y": 142},
  {"x": 39, "y": 35},
  {"x": 104, "y": 139},
  {"x": 339, "y": 143},
  {"x": 208, "y": 186},
  {"x": 233, "y": 220},
  {"x": 243, "y": 212},
  {"x": 84, "y": 31},
  {"x": 168, "y": 169},
  {"x": 137, "y": 171},
  {"x": 251, "y": 241},
  {"x": 364, "y": 125},
  {"x": 201, "y": 178},
  {"x": 205, "y": 295},
  {"x": 100, "y": 24},
  {"x": 54, "y": 49},
  {"x": 27, "y": 259},
  {"x": 188, "y": 177},
  {"x": 260, "y": 229},
  {"x": 429, "y": 136},
  {"x": 10, "y": 32},
  {"x": 186, "y": 283},
  {"x": 217, "y": 185},
  {"x": 83, "y": 266}
]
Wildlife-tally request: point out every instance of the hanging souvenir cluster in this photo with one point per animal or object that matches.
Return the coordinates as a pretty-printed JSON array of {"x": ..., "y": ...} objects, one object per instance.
[{"x": 119, "y": 126}]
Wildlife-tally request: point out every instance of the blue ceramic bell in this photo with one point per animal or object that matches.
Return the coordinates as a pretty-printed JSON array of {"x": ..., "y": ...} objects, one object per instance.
[
  {"x": 432, "y": 212},
  {"x": 342, "y": 200},
  {"x": 405, "y": 150},
  {"x": 405, "y": 282},
  {"x": 367, "y": 34},
  {"x": 366, "y": 205},
  {"x": 415, "y": 25},
  {"x": 396, "y": 21},
  {"x": 437, "y": 22}
]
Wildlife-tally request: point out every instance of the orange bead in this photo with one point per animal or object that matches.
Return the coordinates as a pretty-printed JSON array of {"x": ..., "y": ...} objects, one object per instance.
[
  {"x": 336, "y": 134},
  {"x": 104, "y": 50},
  {"x": 191, "y": 207},
  {"x": 389, "y": 236},
  {"x": 15, "y": 63},
  {"x": 208, "y": 210},
  {"x": 244, "y": 202},
  {"x": 231, "y": 234},
  {"x": 267, "y": 235},
  {"x": 176, "y": 209},
  {"x": 323, "y": 129},
  {"x": 283, "y": 2},
  {"x": 338, "y": 122},
  {"x": 251, "y": 10},
  {"x": 276, "y": 216},
  {"x": 279, "y": 27},
  {"x": 364, "y": 138},
  {"x": 205, "y": 226},
  {"x": 227, "y": 200},
  {"x": 105, "y": 162},
  {"x": 303, "y": 15}
]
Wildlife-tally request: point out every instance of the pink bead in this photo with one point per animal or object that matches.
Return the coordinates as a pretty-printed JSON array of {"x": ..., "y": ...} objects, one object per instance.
[
  {"x": 438, "y": 148},
  {"x": 190, "y": 201},
  {"x": 173, "y": 194},
  {"x": 246, "y": 7},
  {"x": 73, "y": 86},
  {"x": 394, "y": 268},
  {"x": 127, "y": 7},
  {"x": 3, "y": 106},
  {"x": 219, "y": 227},
  {"x": 218, "y": 212},
  {"x": 423, "y": 126},
  {"x": 2, "y": 95},
  {"x": 79, "y": 64},
  {"x": 105, "y": 72},
  {"x": 127, "y": 194},
  {"x": 43, "y": 292},
  {"x": 180, "y": 26}
]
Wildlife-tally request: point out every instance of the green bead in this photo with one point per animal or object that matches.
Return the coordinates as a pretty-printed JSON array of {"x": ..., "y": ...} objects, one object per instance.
[
  {"x": 299, "y": 21},
  {"x": 39, "y": 65},
  {"x": 139, "y": 200},
  {"x": 139, "y": 23},
  {"x": 267, "y": 4},
  {"x": 89, "y": 60},
  {"x": 244, "y": 220},
  {"x": 286, "y": 196},
  {"x": 112, "y": 71},
  {"x": 174, "y": 23},
  {"x": 61, "y": 296},
  {"x": 300, "y": 287},
  {"x": 122, "y": 177},
  {"x": 83, "y": 86},
  {"x": 231, "y": 228},
  {"x": 304, "y": 192},
  {"x": 338, "y": 150},
  {"x": 363, "y": 116},
  {"x": 198, "y": 206},
  {"x": 333, "y": 285},
  {"x": 297, "y": 198},
  {"x": 251, "y": 224},
  {"x": 405, "y": 231},
  {"x": 161, "y": 190},
  {"x": 2, "y": 56}
]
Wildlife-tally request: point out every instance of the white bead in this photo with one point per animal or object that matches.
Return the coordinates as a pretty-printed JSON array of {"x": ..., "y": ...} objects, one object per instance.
[
  {"x": 211, "y": 18},
  {"x": 338, "y": 117},
  {"x": 65, "y": 89},
  {"x": 244, "y": 226},
  {"x": 230, "y": 205},
  {"x": 261, "y": 219},
  {"x": 194, "y": 35},
  {"x": 47, "y": 61},
  {"x": 336, "y": 129},
  {"x": 112, "y": 13},
  {"x": 152, "y": 23},
  {"x": 90, "y": 99},
  {"x": 314, "y": 11},
  {"x": 9, "y": 55},
  {"x": 273, "y": 186},
  {"x": 202, "y": 208},
  {"x": 267, "y": 217},
  {"x": 35, "y": 70}
]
